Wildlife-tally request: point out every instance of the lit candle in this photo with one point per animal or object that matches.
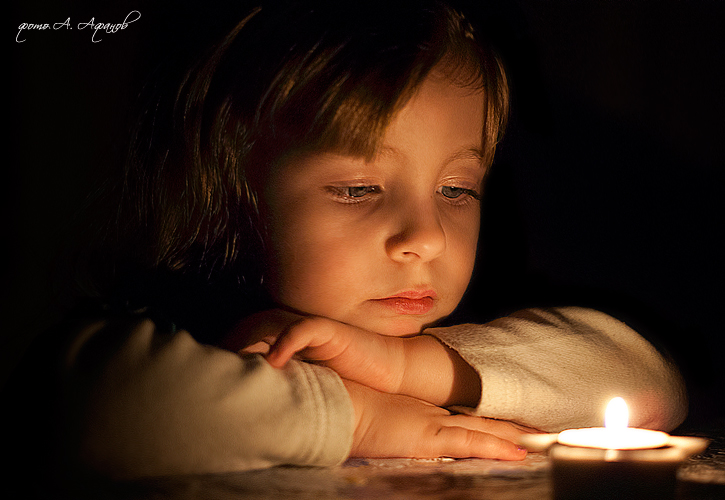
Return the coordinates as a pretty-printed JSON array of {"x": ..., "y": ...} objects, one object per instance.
[
  {"x": 614, "y": 461},
  {"x": 615, "y": 435}
]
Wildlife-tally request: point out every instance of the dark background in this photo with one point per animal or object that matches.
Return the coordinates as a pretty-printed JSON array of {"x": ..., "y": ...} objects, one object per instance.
[{"x": 606, "y": 191}]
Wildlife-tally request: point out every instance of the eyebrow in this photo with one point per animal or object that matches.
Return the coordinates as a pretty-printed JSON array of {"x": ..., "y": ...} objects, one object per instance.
[{"x": 472, "y": 153}]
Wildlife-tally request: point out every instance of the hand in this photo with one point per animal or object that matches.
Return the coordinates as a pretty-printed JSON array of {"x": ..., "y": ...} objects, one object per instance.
[
  {"x": 390, "y": 425},
  {"x": 418, "y": 366},
  {"x": 355, "y": 354}
]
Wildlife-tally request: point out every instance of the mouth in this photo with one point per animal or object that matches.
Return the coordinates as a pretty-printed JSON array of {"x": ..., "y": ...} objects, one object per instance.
[{"x": 412, "y": 302}]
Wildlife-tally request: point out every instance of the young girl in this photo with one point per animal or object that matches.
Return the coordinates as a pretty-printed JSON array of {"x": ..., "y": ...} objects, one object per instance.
[{"x": 322, "y": 167}]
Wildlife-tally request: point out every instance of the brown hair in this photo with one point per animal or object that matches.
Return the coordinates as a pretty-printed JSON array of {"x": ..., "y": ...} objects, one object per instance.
[{"x": 313, "y": 75}]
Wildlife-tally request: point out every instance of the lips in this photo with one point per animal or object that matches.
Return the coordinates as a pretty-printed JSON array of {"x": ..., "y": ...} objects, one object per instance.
[{"x": 413, "y": 302}]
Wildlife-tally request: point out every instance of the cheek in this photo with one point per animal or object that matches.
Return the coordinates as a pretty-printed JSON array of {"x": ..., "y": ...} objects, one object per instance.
[
  {"x": 314, "y": 264},
  {"x": 462, "y": 245},
  {"x": 463, "y": 235}
]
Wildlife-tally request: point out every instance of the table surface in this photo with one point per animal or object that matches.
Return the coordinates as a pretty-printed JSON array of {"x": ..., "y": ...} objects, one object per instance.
[{"x": 701, "y": 477}]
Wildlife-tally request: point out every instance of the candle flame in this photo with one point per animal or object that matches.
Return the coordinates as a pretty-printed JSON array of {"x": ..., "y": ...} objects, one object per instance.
[{"x": 617, "y": 414}]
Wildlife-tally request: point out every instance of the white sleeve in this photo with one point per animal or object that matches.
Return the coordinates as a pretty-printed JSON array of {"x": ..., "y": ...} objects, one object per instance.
[
  {"x": 151, "y": 403},
  {"x": 557, "y": 368}
]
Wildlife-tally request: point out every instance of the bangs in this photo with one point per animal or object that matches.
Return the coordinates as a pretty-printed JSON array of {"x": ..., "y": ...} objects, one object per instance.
[
  {"x": 338, "y": 92},
  {"x": 356, "y": 124}
]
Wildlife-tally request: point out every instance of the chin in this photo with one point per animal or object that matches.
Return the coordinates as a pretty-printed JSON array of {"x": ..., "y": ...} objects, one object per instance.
[{"x": 404, "y": 327}]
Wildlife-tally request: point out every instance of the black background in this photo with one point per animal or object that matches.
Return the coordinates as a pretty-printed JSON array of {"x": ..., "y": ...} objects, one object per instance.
[{"x": 606, "y": 191}]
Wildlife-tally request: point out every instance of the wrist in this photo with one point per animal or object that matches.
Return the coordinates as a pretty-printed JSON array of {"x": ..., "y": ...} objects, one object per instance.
[
  {"x": 428, "y": 371},
  {"x": 359, "y": 394},
  {"x": 436, "y": 373}
]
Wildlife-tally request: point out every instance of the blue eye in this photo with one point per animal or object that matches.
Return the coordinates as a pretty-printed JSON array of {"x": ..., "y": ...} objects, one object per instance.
[
  {"x": 453, "y": 192},
  {"x": 359, "y": 191},
  {"x": 353, "y": 194}
]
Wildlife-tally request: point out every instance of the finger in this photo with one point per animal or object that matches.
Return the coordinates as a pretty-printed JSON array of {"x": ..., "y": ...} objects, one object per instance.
[
  {"x": 459, "y": 442},
  {"x": 297, "y": 337},
  {"x": 500, "y": 428},
  {"x": 525, "y": 429},
  {"x": 258, "y": 348},
  {"x": 279, "y": 354}
]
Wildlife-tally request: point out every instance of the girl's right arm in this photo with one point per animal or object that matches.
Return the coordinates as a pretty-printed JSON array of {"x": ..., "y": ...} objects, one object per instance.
[{"x": 151, "y": 402}]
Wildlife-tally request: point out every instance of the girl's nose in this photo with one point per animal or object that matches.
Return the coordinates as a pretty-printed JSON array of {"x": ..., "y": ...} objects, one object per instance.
[{"x": 420, "y": 235}]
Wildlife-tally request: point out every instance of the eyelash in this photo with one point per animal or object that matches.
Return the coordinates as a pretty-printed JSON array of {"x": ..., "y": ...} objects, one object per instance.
[
  {"x": 347, "y": 194},
  {"x": 465, "y": 195}
]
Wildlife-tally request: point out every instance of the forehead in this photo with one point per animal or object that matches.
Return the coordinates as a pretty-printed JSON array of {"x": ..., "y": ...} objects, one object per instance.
[
  {"x": 440, "y": 118},
  {"x": 441, "y": 125}
]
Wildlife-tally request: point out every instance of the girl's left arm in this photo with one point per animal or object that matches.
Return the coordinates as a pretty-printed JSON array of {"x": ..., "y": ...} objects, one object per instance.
[{"x": 558, "y": 368}]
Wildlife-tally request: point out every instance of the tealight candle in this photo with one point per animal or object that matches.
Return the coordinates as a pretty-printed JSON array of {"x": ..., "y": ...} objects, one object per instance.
[
  {"x": 614, "y": 461},
  {"x": 615, "y": 435}
]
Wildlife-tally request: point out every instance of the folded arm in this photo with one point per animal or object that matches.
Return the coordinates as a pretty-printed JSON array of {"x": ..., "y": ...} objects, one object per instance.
[
  {"x": 153, "y": 403},
  {"x": 557, "y": 368},
  {"x": 543, "y": 368},
  {"x": 141, "y": 401}
]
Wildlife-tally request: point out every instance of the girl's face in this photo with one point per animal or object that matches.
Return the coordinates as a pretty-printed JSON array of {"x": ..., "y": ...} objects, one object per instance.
[{"x": 386, "y": 245}]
